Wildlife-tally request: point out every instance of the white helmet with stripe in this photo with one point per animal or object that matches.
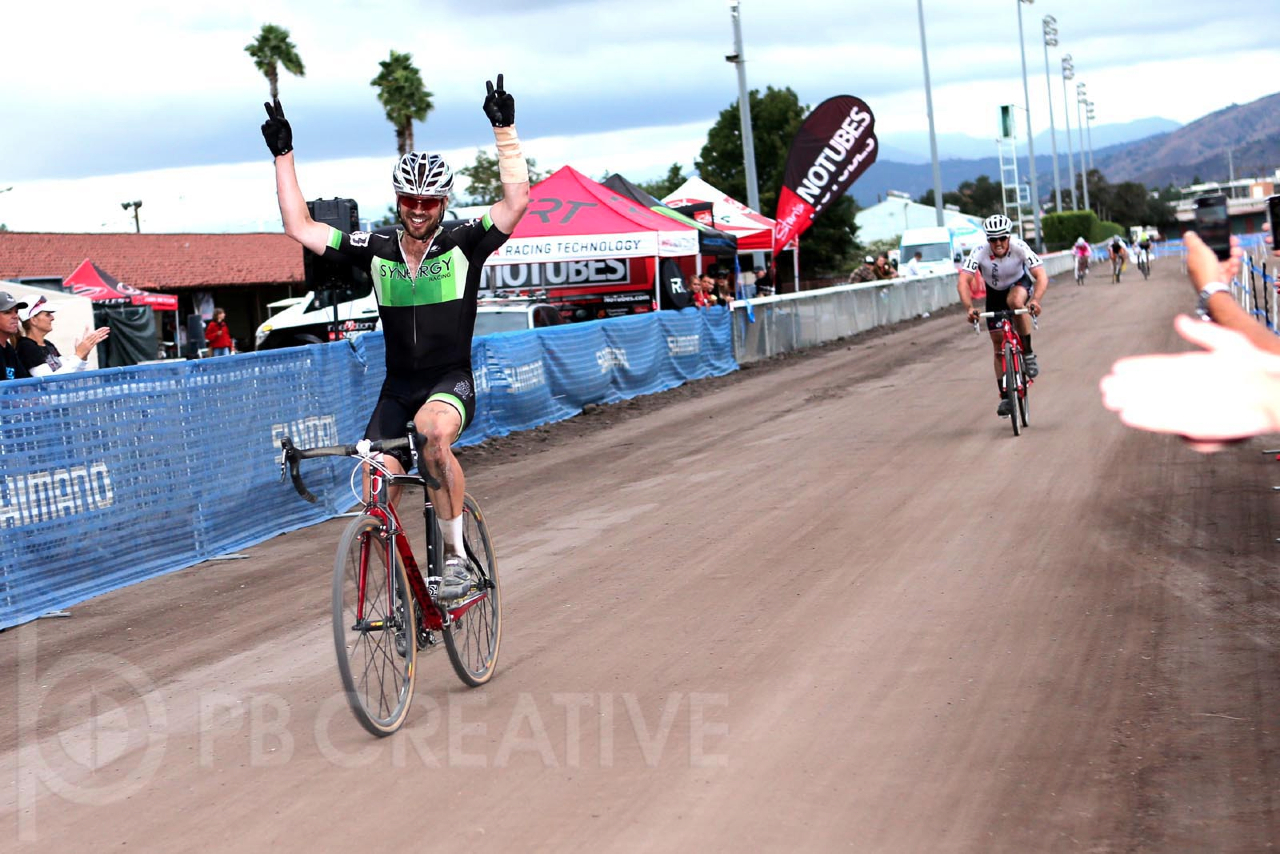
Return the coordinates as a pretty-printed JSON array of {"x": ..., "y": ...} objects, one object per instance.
[
  {"x": 422, "y": 174},
  {"x": 998, "y": 225}
]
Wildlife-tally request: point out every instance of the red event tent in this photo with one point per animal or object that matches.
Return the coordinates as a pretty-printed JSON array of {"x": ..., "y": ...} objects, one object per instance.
[
  {"x": 89, "y": 280},
  {"x": 572, "y": 218}
]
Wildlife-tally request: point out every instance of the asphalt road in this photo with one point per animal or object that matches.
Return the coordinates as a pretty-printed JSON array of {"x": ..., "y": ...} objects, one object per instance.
[{"x": 831, "y": 604}]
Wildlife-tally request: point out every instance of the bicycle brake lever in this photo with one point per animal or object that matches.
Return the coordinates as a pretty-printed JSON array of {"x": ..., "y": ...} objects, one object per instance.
[
  {"x": 289, "y": 460},
  {"x": 285, "y": 447}
]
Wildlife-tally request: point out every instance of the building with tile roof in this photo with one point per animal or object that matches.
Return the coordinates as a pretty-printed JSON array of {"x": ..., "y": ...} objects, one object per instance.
[{"x": 242, "y": 273}]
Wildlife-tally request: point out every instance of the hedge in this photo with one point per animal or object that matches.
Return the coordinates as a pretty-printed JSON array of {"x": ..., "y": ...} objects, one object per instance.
[{"x": 1062, "y": 229}]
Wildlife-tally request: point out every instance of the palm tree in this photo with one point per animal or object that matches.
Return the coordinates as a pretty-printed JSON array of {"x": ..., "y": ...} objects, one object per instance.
[
  {"x": 273, "y": 48},
  {"x": 403, "y": 96}
]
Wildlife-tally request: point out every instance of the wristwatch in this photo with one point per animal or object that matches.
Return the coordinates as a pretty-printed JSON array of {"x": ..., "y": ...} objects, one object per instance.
[{"x": 1202, "y": 307}]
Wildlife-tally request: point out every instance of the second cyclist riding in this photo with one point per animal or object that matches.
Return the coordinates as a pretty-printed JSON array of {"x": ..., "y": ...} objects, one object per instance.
[{"x": 1016, "y": 282}]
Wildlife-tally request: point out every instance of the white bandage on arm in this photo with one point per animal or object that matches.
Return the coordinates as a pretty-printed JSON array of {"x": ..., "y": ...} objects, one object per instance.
[{"x": 511, "y": 165}]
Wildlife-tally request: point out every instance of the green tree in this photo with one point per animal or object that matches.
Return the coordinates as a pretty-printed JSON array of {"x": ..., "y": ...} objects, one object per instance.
[
  {"x": 403, "y": 96},
  {"x": 271, "y": 49},
  {"x": 830, "y": 244},
  {"x": 666, "y": 185},
  {"x": 980, "y": 197},
  {"x": 485, "y": 185}
]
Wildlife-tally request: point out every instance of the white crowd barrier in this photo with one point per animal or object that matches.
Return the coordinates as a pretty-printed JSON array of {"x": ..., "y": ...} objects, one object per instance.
[{"x": 786, "y": 322}]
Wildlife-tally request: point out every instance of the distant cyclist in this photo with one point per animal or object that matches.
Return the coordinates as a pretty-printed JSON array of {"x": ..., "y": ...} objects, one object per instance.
[
  {"x": 1015, "y": 278},
  {"x": 1116, "y": 252},
  {"x": 427, "y": 282},
  {"x": 1081, "y": 250},
  {"x": 1144, "y": 248}
]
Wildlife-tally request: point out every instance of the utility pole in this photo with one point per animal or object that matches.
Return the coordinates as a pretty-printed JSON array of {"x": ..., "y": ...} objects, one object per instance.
[
  {"x": 928, "y": 103},
  {"x": 135, "y": 205},
  {"x": 744, "y": 113},
  {"x": 1089, "y": 116},
  {"x": 1084, "y": 169},
  {"x": 1051, "y": 40},
  {"x": 1031, "y": 145},
  {"x": 1068, "y": 72}
]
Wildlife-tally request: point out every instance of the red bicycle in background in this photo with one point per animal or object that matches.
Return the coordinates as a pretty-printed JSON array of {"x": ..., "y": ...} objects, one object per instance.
[
  {"x": 384, "y": 610},
  {"x": 1014, "y": 382}
]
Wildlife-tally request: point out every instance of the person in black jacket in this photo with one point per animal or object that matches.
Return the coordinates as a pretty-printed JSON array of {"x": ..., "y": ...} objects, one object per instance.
[
  {"x": 39, "y": 355},
  {"x": 11, "y": 367}
]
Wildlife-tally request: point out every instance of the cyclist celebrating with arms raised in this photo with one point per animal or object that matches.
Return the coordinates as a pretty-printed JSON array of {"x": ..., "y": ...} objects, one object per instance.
[
  {"x": 426, "y": 281},
  {"x": 1015, "y": 278}
]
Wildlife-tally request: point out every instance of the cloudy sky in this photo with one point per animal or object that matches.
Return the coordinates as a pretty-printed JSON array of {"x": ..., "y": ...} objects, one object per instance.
[{"x": 158, "y": 102}]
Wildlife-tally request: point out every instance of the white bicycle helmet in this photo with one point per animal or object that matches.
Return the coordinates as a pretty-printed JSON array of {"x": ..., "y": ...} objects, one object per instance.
[
  {"x": 997, "y": 226},
  {"x": 422, "y": 174}
]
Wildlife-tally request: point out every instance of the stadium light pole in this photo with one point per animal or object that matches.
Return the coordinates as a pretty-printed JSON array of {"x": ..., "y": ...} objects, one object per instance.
[
  {"x": 1089, "y": 116},
  {"x": 1068, "y": 72},
  {"x": 1031, "y": 145},
  {"x": 135, "y": 205},
  {"x": 928, "y": 104},
  {"x": 1051, "y": 40},
  {"x": 744, "y": 114},
  {"x": 1084, "y": 169}
]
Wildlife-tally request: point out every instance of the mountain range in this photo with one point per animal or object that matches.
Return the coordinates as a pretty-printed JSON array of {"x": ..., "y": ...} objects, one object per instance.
[{"x": 1239, "y": 139}]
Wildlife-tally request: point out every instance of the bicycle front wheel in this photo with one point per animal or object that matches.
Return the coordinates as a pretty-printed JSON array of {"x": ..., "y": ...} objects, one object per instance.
[
  {"x": 374, "y": 627},
  {"x": 475, "y": 627},
  {"x": 1011, "y": 388},
  {"x": 1024, "y": 399}
]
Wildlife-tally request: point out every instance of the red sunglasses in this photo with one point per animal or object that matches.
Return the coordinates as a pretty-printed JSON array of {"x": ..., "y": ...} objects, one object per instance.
[{"x": 427, "y": 203}]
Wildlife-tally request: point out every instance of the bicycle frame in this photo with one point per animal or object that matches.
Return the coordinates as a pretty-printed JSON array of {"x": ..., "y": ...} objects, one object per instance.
[
  {"x": 377, "y": 504},
  {"x": 1011, "y": 338},
  {"x": 1012, "y": 344}
]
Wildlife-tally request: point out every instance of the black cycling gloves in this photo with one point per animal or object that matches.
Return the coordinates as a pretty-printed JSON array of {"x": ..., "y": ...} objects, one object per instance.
[
  {"x": 276, "y": 130},
  {"x": 499, "y": 106}
]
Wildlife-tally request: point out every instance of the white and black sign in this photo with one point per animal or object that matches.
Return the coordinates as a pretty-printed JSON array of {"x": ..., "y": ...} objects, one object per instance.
[{"x": 556, "y": 274}]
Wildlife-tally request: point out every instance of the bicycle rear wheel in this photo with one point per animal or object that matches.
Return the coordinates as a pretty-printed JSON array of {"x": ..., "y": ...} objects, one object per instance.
[
  {"x": 475, "y": 627},
  {"x": 1011, "y": 388},
  {"x": 373, "y": 636}
]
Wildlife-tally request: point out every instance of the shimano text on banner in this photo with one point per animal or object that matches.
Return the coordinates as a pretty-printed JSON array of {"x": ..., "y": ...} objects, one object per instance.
[{"x": 835, "y": 144}]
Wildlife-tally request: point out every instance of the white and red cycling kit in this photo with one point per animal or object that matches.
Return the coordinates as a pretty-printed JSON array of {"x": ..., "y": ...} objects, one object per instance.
[{"x": 1000, "y": 274}]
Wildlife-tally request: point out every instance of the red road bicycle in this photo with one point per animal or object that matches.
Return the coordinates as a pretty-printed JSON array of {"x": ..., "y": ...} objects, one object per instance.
[
  {"x": 384, "y": 610},
  {"x": 1014, "y": 382}
]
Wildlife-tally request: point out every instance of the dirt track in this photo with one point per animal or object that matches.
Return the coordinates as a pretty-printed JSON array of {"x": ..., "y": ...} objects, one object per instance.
[{"x": 829, "y": 603}]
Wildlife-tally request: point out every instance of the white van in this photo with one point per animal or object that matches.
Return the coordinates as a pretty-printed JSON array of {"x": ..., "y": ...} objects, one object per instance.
[
  {"x": 308, "y": 320},
  {"x": 936, "y": 247}
]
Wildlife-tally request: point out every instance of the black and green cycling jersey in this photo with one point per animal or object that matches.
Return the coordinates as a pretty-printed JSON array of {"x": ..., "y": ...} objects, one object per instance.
[{"x": 428, "y": 315}]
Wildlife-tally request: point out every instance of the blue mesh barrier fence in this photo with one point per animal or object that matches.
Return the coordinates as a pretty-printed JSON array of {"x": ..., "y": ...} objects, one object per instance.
[{"x": 110, "y": 477}]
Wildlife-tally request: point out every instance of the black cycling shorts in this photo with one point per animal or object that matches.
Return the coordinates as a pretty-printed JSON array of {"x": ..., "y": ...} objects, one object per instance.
[
  {"x": 999, "y": 300},
  {"x": 402, "y": 397}
]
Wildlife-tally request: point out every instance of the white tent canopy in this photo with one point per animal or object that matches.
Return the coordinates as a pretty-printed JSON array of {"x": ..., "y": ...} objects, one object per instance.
[{"x": 753, "y": 230}]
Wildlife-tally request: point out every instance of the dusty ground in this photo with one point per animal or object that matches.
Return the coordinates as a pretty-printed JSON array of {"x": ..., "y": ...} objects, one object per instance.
[{"x": 825, "y": 603}]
